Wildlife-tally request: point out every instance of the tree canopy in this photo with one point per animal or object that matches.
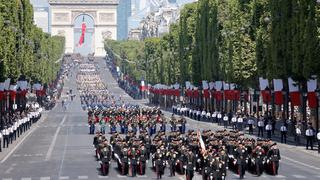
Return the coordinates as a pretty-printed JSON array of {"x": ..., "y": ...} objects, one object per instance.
[
  {"x": 24, "y": 48},
  {"x": 236, "y": 41}
]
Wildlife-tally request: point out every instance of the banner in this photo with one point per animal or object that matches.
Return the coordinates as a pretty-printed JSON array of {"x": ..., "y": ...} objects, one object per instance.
[
  {"x": 278, "y": 87},
  {"x": 205, "y": 85},
  {"x": 206, "y": 94},
  {"x": 294, "y": 92},
  {"x": 263, "y": 83},
  {"x": 83, "y": 32},
  {"x": 312, "y": 95}
]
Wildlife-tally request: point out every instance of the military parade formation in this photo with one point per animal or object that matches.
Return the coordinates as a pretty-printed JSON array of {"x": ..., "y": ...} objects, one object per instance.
[
  {"x": 138, "y": 136},
  {"x": 143, "y": 137}
]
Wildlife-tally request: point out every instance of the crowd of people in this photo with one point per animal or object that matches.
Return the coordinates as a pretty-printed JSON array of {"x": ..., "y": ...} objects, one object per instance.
[
  {"x": 93, "y": 92},
  {"x": 265, "y": 125},
  {"x": 18, "y": 123}
]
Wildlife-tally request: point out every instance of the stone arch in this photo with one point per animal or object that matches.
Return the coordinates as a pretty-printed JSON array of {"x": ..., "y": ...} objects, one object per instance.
[{"x": 88, "y": 46}]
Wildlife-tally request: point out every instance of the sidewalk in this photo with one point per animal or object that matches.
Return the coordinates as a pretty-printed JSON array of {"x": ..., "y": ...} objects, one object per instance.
[{"x": 6, "y": 152}]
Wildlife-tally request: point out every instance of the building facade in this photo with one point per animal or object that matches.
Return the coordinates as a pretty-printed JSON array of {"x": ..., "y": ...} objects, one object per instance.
[
  {"x": 41, "y": 14},
  {"x": 124, "y": 12},
  {"x": 99, "y": 17}
]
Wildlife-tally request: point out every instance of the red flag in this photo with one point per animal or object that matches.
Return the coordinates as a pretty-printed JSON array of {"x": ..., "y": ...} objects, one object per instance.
[
  {"x": 206, "y": 94},
  {"x": 83, "y": 32},
  {"x": 312, "y": 99},
  {"x": 218, "y": 95},
  {"x": 266, "y": 96},
  {"x": 278, "y": 98},
  {"x": 195, "y": 93},
  {"x": 295, "y": 98},
  {"x": 236, "y": 95}
]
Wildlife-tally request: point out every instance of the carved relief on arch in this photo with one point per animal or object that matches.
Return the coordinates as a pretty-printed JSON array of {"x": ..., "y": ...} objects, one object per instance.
[
  {"x": 93, "y": 14},
  {"x": 61, "y": 33},
  {"x": 106, "y": 34}
]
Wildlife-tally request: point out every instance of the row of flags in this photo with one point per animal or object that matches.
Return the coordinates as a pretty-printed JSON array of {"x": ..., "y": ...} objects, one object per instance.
[
  {"x": 20, "y": 88},
  {"x": 294, "y": 91},
  {"x": 220, "y": 90}
]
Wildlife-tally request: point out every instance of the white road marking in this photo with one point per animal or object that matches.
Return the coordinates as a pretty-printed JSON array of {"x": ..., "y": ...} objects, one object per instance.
[
  {"x": 53, "y": 142},
  {"x": 45, "y": 178},
  {"x": 26, "y": 178},
  {"x": 82, "y": 177},
  {"x": 299, "y": 176},
  {"x": 8, "y": 170},
  {"x": 103, "y": 177},
  {"x": 7, "y": 179},
  {"x": 280, "y": 176},
  {"x": 64, "y": 152},
  {"x": 120, "y": 176},
  {"x": 64, "y": 177},
  {"x": 143, "y": 176},
  {"x": 301, "y": 163}
]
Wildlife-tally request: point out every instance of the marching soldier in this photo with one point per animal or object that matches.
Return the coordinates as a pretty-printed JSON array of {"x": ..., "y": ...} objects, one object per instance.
[
  {"x": 258, "y": 155},
  {"x": 172, "y": 159},
  {"x": 159, "y": 163},
  {"x": 190, "y": 165},
  {"x": 105, "y": 158},
  {"x": 241, "y": 159},
  {"x": 142, "y": 160},
  {"x": 133, "y": 154},
  {"x": 124, "y": 161},
  {"x": 274, "y": 158}
]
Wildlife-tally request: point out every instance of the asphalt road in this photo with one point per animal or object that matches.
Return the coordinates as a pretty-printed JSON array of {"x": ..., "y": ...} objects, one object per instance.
[{"x": 59, "y": 147}]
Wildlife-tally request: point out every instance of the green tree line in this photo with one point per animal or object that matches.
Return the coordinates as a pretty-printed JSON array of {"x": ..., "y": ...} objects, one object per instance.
[
  {"x": 24, "y": 48},
  {"x": 236, "y": 41}
]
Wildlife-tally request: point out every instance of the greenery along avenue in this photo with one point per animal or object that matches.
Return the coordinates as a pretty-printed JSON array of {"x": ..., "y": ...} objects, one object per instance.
[
  {"x": 231, "y": 40},
  {"x": 24, "y": 48}
]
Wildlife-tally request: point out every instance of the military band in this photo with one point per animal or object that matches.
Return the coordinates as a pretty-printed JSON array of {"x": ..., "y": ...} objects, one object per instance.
[{"x": 181, "y": 152}]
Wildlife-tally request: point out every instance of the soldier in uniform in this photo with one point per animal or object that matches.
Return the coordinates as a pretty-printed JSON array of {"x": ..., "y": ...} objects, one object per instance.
[
  {"x": 172, "y": 160},
  {"x": 274, "y": 158},
  {"x": 105, "y": 154},
  {"x": 190, "y": 165},
  {"x": 124, "y": 161},
  {"x": 133, "y": 154},
  {"x": 142, "y": 160},
  {"x": 159, "y": 163},
  {"x": 241, "y": 158},
  {"x": 258, "y": 155}
]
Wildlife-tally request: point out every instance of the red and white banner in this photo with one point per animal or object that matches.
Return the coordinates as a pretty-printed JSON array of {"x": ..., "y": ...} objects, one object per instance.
[
  {"x": 312, "y": 96},
  {"x": 278, "y": 86},
  {"x": 294, "y": 92},
  {"x": 83, "y": 32},
  {"x": 265, "y": 92}
]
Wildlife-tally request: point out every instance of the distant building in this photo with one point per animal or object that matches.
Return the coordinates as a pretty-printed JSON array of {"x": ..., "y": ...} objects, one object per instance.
[
  {"x": 124, "y": 12},
  {"x": 153, "y": 17},
  {"x": 41, "y": 14},
  {"x": 135, "y": 34}
]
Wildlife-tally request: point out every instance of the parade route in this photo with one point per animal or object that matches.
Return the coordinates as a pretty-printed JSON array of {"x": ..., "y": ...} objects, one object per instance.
[{"x": 59, "y": 147}]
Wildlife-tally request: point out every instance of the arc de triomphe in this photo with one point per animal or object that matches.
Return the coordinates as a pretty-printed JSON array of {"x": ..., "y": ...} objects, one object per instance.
[{"x": 100, "y": 17}]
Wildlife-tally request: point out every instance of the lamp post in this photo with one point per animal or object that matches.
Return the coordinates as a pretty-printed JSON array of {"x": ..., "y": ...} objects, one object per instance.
[{"x": 317, "y": 110}]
